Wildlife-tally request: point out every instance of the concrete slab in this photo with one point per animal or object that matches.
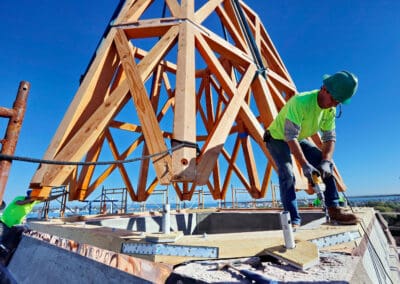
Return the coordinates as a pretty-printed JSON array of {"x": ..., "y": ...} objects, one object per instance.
[
  {"x": 370, "y": 254},
  {"x": 39, "y": 262}
]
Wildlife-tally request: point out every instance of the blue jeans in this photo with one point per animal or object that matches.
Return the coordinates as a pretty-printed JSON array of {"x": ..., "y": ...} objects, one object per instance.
[{"x": 280, "y": 152}]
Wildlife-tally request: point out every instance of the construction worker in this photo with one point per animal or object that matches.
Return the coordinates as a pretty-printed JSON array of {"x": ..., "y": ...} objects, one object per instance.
[
  {"x": 302, "y": 116},
  {"x": 15, "y": 213}
]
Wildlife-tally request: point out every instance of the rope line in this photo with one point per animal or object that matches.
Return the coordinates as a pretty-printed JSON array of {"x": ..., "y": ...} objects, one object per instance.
[{"x": 71, "y": 163}]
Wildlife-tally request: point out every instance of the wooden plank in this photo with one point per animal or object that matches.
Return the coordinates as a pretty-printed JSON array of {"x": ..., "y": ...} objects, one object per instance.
[
  {"x": 237, "y": 170},
  {"x": 273, "y": 53},
  {"x": 117, "y": 156},
  {"x": 126, "y": 126},
  {"x": 144, "y": 164},
  {"x": 250, "y": 163},
  {"x": 112, "y": 167},
  {"x": 279, "y": 101},
  {"x": 209, "y": 103},
  {"x": 267, "y": 178},
  {"x": 229, "y": 171},
  {"x": 187, "y": 9},
  {"x": 233, "y": 31},
  {"x": 217, "y": 138},
  {"x": 167, "y": 65},
  {"x": 158, "y": 51},
  {"x": 87, "y": 172},
  {"x": 230, "y": 11},
  {"x": 178, "y": 191},
  {"x": 41, "y": 192},
  {"x": 151, "y": 129},
  {"x": 148, "y": 28},
  {"x": 216, "y": 181},
  {"x": 286, "y": 84},
  {"x": 209, "y": 7},
  {"x": 303, "y": 256},
  {"x": 136, "y": 9},
  {"x": 184, "y": 159},
  {"x": 254, "y": 128},
  {"x": 229, "y": 51},
  {"x": 174, "y": 8},
  {"x": 264, "y": 100},
  {"x": 143, "y": 174}
]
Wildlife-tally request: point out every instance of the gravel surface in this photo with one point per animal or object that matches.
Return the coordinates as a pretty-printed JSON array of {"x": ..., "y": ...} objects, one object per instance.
[{"x": 333, "y": 267}]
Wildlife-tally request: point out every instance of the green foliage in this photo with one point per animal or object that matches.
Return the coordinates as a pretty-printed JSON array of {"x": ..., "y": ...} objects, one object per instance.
[{"x": 389, "y": 206}]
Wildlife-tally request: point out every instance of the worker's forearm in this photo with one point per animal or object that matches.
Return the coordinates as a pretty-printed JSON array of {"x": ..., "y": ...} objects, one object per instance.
[
  {"x": 23, "y": 202},
  {"x": 328, "y": 148},
  {"x": 295, "y": 149}
]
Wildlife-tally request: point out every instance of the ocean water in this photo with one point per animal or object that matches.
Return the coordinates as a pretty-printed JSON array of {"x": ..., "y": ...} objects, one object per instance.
[{"x": 363, "y": 200}]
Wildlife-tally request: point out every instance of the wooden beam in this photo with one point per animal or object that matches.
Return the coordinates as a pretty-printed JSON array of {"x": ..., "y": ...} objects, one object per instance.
[
  {"x": 174, "y": 8},
  {"x": 137, "y": 7},
  {"x": 209, "y": 7},
  {"x": 264, "y": 100},
  {"x": 227, "y": 50},
  {"x": 151, "y": 129},
  {"x": 158, "y": 51},
  {"x": 216, "y": 140},
  {"x": 184, "y": 159},
  {"x": 236, "y": 169},
  {"x": 86, "y": 173},
  {"x": 232, "y": 29},
  {"x": 187, "y": 9},
  {"x": 267, "y": 178},
  {"x": 117, "y": 156},
  {"x": 229, "y": 171},
  {"x": 148, "y": 28},
  {"x": 250, "y": 162}
]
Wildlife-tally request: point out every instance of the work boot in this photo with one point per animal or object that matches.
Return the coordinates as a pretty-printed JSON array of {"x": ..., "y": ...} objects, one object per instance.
[{"x": 338, "y": 215}]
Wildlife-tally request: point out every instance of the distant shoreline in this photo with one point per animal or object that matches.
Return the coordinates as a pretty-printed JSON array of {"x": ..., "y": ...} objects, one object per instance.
[{"x": 374, "y": 195}]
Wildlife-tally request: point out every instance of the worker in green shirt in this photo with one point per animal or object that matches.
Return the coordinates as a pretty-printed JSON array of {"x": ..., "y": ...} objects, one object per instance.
[
  {"x": 13, "y": 215},
  {"x": 302, "y": 116},
  {"x": 15, "y": 212}
]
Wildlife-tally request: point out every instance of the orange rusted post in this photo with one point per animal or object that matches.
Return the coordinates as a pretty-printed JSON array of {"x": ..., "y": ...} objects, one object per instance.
[{"x": 9, "y": 143}]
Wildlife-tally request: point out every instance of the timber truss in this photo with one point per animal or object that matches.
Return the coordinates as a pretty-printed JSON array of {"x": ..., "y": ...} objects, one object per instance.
[{"x": 155, "y": 83}]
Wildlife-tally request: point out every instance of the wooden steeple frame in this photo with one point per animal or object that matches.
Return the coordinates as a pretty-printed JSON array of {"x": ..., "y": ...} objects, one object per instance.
[{"x": 211, "y": 86}]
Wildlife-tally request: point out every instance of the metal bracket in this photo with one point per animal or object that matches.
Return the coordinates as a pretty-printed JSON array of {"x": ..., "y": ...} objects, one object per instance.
[
  {"x": 173, "y": 250},
  {"x": 335, "y": 239}
]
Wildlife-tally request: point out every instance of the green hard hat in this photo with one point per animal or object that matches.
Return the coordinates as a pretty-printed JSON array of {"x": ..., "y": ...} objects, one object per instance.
[{"x": 341, "y": 85}]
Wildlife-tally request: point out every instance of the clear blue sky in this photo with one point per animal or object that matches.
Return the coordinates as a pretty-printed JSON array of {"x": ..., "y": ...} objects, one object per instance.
[{"x": 49, "y": 43}]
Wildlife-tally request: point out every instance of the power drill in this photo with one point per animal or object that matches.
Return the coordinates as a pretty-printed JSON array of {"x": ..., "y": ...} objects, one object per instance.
[{"x": 319, "y": 188}]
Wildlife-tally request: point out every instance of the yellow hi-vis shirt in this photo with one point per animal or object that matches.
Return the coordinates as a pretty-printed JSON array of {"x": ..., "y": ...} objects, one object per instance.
[
  {"x": 304, "y": 111},
  {"x": 14, "y": 213}
]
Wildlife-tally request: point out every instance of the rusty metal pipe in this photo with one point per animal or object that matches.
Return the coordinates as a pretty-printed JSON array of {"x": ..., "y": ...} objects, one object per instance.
[
  {"x": 9, "y": 143},
  {"x": 6, "y": 112}
]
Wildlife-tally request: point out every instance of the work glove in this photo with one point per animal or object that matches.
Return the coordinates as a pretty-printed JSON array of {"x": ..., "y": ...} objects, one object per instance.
[
  {"x": 308, "y": 171},
  {"x": 326, "y": 169}
]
